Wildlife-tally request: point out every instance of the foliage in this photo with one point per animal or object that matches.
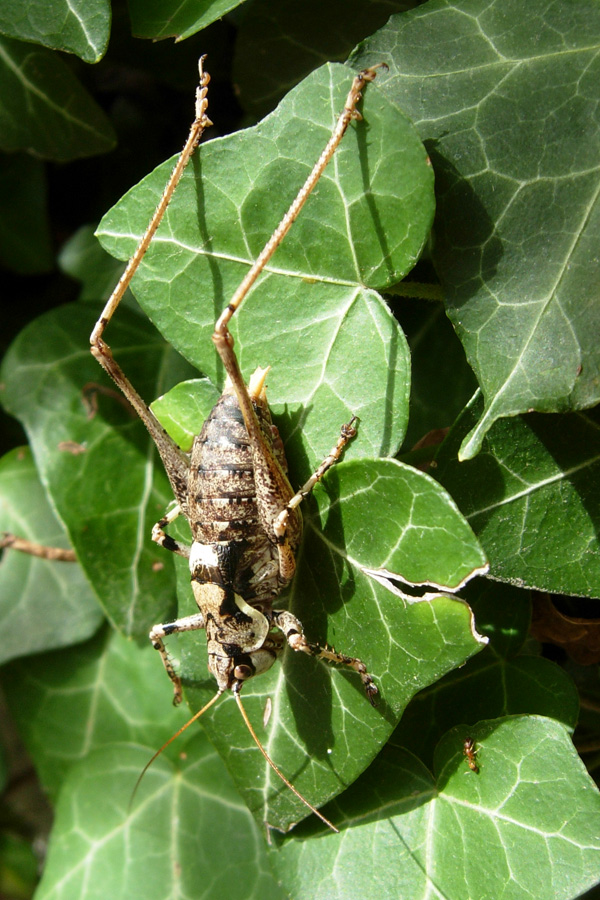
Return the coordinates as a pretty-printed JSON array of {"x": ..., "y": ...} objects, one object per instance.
[{"x": 506, "y": 106}]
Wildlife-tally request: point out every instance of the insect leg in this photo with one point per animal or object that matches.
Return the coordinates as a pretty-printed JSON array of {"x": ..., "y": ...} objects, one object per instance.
[
  {"x": 158, "y": 632},
  {"x": 165, "y": 540},
  {"x": 294, "y": 633},
  {"x": 277, "y": 491},
  {"x": 346, "y": 434},
  {"x": 174, "y": 460},
  {"x": 222, "y": 337}
]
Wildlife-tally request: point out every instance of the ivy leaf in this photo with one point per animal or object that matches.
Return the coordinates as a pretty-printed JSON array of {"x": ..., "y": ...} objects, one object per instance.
[
  {"x": 51, "y": 382},
  {"x": 89, "y": 719},
  {"x": 533, "y": 805},
  {"x": 502, "y": 680},
  {"x": 83, "y": 259},
  {"x": 363, "y": 227},
  {"x": 44, "y": 109},
  {"x": 532, "y": 473},
  {"x": 510, "y": 116},
  {"x": 439, "y": 391},
  {"x": 76, "y": 26},
  {"x": 284, "y": 34},
  {"x": 159, "y": 19},
  {"x": 53, "y": 595},
  {"x": 183, "y": 409},
  {"x": 179, "y": 824},
  {"x": 394, "y": 522},
  {"x": 74, "y": 703}
]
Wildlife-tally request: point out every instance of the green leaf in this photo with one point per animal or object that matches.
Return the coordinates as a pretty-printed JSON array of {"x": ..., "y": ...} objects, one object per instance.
[
  {"x": 53, "y": 385},
  {"x": 25, "y": 244},
  {"x": 530, "y": 817},
  {"x": 171, "y": 844},
  {"x": 393, "y": 522},
  {"x": 314, "y": 297},
  {"x": 497, "y": 682},
  {"x": 91, "y": 717},
  {"x": 70, "y": 704},
  {"x": 43, "y": 604},
  {"x": 510, "y": 116},
  {"x": 44, "y": 109},
  {"x": 322, "y": 732},
  {"x": 76, "y": 26},
  {"x": 159, "y": 19},
  {"x": 293, "y": 39},
  {"x": 441, "y": 380},
  {"x": 183, "y": 409},
  {"x": 532, "y": 498}
]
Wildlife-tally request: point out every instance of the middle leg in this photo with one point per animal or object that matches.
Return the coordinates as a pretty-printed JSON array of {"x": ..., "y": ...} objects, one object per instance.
[
  {"x": 294, "y": 634},
  {"x": 158, "y": 632}
]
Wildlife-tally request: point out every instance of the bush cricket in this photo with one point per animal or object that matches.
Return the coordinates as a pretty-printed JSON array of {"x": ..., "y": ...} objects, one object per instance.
[{"x": 233, "y": 487}]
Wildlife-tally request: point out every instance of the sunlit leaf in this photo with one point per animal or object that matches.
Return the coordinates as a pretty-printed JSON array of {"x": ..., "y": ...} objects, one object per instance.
[
  {"x": 529, "y": 818},
  {"x": 532, "y": 497}
]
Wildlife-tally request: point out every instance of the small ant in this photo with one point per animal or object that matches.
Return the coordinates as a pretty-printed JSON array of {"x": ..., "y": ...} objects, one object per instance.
[{"x": 471, "y": 753}]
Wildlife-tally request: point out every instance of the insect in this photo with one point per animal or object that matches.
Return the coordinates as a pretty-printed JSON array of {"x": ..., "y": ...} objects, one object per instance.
[
  {"x": 470, "y": 753},
  {"x": 233, "y": 488}
]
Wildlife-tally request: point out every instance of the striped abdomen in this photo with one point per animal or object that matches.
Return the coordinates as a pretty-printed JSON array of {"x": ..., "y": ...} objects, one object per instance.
[{"x": 222, "y": 504}]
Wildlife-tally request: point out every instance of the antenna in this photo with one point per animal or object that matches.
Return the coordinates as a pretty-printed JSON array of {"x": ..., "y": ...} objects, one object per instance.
[
  {"x": 238, "y": 699},
  {"x": 236, "y": 692},
  {"x": 170, "y": 741}
]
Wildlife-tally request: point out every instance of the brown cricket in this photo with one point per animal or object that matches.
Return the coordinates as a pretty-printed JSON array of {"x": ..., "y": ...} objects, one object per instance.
[{"x": 233, "y": 487}]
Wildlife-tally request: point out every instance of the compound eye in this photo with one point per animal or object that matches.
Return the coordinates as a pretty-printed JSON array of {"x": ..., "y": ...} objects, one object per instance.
[{"x": 242, "y": 672}]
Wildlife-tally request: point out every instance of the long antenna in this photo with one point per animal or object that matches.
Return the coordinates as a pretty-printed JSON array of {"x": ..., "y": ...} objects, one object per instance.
[
  {"x": 236, "y": 694},
  {"x": 170, "y": 741}
]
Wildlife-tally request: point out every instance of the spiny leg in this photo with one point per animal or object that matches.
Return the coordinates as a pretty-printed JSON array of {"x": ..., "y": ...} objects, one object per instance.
[
  {"x": 346, "y": 434},
  {"x": 294, "y": 634},
  {"x": 158, "y": 632},
  {"x": 174, "y": 460},
  {"x": 222, "y": 337},
  {"x": 267, "y": 470}
]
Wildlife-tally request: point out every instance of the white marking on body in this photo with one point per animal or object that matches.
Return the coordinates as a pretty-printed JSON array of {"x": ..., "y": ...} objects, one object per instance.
[
  {"x": 202, "y": 555},
  {"x": 260, "y": 624}
]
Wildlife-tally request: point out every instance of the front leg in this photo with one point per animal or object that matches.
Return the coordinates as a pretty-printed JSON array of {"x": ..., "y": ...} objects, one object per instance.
[
  {"x": 160, "y": 537},
  {"x": 294, "y": 632},
  {"x": 158, "y": 632},
  {"x": 175, "y": 461}
]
